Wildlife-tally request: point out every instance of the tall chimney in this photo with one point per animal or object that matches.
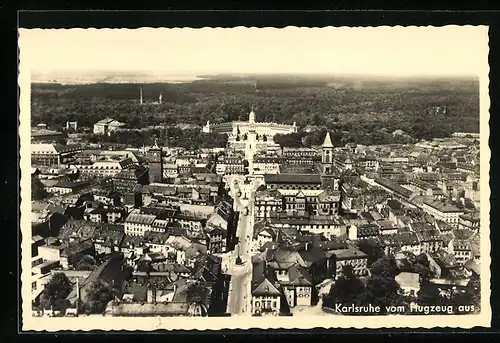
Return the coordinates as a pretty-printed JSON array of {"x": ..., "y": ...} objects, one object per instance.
[{"x": 140, "y": 99}]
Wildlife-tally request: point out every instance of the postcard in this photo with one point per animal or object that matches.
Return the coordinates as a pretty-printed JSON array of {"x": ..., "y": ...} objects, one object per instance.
[{"x": 237, "y": 178}]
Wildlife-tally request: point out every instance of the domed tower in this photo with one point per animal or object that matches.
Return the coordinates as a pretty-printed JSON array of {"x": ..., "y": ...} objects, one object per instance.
[
  {"x": 251, "y": 117},
  {"x": 252, "y": 132}
]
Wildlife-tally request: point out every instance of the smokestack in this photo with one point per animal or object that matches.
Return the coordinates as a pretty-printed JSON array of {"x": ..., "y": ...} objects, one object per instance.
[
  {"x": 159, "y": 99},
  {"x": 140, "y": 99}
]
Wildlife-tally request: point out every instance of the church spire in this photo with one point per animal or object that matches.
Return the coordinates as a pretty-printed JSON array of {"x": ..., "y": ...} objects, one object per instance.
[
  {"x": 156, "y": 144},
  {"x": 327, "y": 143}
]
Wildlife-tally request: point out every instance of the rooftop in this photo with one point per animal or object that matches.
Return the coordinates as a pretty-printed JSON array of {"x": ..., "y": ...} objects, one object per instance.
[
  {"x": 395, "y": 187},
  {"x": 401, "y": 239},
  {"x": 151, "y": 309},
  {"x": 281, "y": 258},
  {"x": 441, "y": 206},
  {"x": 137, "y": 218},
  {"x": 80, "y": 229},
  {"x": 405, "y": 279},
  {"x": 265, "y": 288},
  {"x": 299, "y": 276},
  {"x": 109, "y": 234},
  {"x": 77, "y": 247},
  {"x": 349, "y": 253},
  {"x": 292, "y": 178}
]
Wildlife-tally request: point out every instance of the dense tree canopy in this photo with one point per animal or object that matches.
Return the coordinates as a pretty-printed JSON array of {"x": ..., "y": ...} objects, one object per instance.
[
  {"x": 183, "y": 138},
  {"x": 366, "y": 112},
  {"x": 421, "y": 266},
  {"x": 346, "y": 289},
  {"x": 98, "y": 296},
  {"x": 381, "y": 288},
  {"x": 464, "y": 301},
  {"x": 56, "y": 291},
  {"x": 144, "y": 266},
  {"x": 373, "y": 248}
]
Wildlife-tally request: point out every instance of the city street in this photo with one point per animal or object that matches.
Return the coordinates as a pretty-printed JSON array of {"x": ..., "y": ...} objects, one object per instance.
[
  {"x": 239, "y": 298},
  {"x": 240, "y": 286}
]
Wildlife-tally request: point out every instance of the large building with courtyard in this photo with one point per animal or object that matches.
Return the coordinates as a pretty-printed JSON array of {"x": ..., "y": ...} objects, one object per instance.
[{"x": 241, "y": 133}]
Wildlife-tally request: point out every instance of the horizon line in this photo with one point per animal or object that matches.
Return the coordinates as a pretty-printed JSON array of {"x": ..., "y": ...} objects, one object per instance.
[{"x": 251, "y": 73}]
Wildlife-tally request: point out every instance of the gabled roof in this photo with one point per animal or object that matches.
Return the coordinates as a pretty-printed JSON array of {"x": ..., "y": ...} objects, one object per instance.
[
  {"x": 266, "y": 288},
  {"x": 299, "y": 276},
  {"x": 284, "y": 259},
  {"x": 105, "y": 121},
  {"x": 268, "y": 231},
  {"x": 52, "y": 148},
  {"x": 137, "y": 218},
  {"x": 313, "y": 255},
  {"x": 473, "y": 266}
]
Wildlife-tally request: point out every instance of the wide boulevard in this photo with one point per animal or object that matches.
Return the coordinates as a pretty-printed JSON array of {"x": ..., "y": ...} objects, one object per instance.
[{"x": 242, "y": 189}]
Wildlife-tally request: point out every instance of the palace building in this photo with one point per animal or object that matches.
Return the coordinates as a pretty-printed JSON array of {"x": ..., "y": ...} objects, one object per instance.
[
  {"x": 107, "y": 126},
  {"x": 242, "y": 133}
]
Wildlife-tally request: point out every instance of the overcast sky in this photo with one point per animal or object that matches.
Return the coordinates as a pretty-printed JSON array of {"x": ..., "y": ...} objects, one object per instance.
[{"x": 446, "y": 51}]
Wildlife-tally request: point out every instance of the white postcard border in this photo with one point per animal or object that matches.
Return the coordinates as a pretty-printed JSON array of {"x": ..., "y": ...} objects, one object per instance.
[{"x": 217, "y": 323}]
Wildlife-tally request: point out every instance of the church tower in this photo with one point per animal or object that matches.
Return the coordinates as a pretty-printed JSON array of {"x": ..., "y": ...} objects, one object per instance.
[
  {"x": 155, "y": 164},
  {"x": 327, "y": 154}
]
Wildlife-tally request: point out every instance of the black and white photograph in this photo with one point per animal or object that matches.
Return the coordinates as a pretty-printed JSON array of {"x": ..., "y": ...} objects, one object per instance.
[{"x": 236, "y": 178}]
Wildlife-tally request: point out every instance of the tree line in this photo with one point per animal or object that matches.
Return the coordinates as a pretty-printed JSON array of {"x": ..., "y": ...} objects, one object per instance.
[
  {"x": 173, "y": 137},
  {"x": 381, "y": 288},
  {"x": 368, "y": 113},
  {"x": 359, "y": 135},
  {"x": 56, "y": 291}
]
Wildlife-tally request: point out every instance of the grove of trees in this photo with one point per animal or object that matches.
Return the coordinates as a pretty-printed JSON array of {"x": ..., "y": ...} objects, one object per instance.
[
  {"x": 55, "y": 293},
  {"x": 373, "y": 248},
  {"x": 365, "y": 114},
  {"x": 98, "y": 297},
  {"x": 381, "y": 289},
  {"x": 183, "y": 138}
]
